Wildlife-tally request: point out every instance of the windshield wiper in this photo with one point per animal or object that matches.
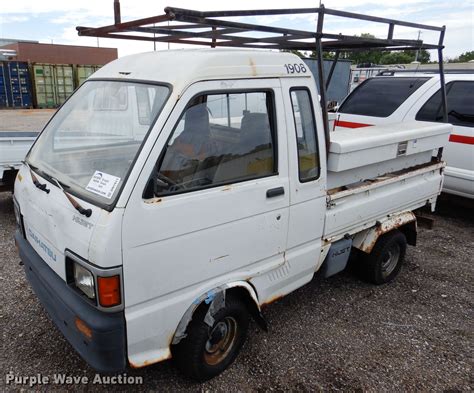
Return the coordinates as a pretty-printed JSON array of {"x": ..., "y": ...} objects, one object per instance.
[
  {"x": 35, "y": 180},
  {"x": 42, "y": 187},
  {"x": 74, "y": 203}
]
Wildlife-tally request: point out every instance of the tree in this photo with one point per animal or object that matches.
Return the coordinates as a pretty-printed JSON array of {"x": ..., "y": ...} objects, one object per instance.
[
  {"x": 423, "y": 56},
  {"x": 405, "y": 57},
  {"x": 295, "y": 52},
  {"x": 378, "y": 57},
  {"x": 326, "y": 55},
  {"x": 396, "y": 58},
  {"x": 367, "y": 56},
  {"x": 466, "y": 56},
  {"x": 385, "y": 57}
]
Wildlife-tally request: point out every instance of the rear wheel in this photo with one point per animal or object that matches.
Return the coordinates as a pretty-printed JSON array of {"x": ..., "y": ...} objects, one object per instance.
[
  {"x": 206, "y": 350},
  {"x": 383, "y": 264}
]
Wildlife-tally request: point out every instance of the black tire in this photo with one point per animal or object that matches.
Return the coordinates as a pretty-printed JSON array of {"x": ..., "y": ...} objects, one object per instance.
[
  {"x": 198, "y": 355},
  {"x": 383, "y": 264}
]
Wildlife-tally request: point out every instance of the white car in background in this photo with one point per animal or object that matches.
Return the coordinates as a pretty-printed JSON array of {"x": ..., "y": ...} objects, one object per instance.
[{"x": 396, "y": 96}]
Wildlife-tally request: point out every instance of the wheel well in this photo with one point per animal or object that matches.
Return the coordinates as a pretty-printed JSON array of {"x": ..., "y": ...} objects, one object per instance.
[
  {"x": 211, "y": 301},
  {"x": 243, "y": 294},
  {"x": 404, "y": 222},
  {"x": 410, "y": 232}
]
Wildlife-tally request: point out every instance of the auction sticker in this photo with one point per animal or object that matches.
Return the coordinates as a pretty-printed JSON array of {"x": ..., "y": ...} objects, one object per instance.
[{"x": 103, "y": 184}]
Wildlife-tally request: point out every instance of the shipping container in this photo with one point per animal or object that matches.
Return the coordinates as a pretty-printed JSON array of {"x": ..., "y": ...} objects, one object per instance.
[
  {"x": 64, "y": 82},
  {"x": 83, "y": 72},
  {"x": 54, "y": 83},
  {"x": 3, "y": 87},
  {"x": 43, "y": 77},
  {"x": 15, "y": 85}
]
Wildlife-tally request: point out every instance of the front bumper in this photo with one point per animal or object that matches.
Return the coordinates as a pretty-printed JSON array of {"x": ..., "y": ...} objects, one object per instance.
[{"x": 105, "y": 351}]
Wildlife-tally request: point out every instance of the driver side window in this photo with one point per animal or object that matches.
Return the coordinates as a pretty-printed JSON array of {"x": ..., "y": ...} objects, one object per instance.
[{"x": 219, "y": 139}]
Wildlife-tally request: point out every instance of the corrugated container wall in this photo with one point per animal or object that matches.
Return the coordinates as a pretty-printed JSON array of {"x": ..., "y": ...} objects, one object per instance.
[
  {"x": 64, "y": 82},
  {"x": 83, "y": 72},
  {"x": 43, "y": 79},
  {"x": 15, "y": 85},
  {"x": 54, "y": 83},
  {"x": 3, "y": 87}
]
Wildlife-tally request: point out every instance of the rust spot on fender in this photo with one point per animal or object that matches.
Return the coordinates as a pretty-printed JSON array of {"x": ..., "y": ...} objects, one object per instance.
[
  {"x": 148, "y": 362},
  {"x": 271, "y": 300},
  {"x": 383, "y": 228},
  {"x": 227, "y": 187}
]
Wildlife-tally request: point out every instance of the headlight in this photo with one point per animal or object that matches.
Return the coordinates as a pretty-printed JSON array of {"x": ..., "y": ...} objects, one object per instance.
[{"x": 84, "y": 280}]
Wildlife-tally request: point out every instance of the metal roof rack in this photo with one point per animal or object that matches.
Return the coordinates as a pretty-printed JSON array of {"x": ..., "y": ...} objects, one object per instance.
[
  {"x": 184, "y": 26},
  {"x": 431, "y": 71}
]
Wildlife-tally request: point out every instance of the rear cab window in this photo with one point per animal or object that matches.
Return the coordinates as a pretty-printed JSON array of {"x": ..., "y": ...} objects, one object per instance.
[
  {"x": 381, "y": 96},
  {"x": 306, "y": 137}
]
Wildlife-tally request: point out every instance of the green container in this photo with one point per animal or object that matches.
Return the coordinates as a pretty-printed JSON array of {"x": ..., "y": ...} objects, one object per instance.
[
  {"x": 53, "y": 83},
  {"x": 44, "y": 85},
  {"x": 64, "y": 82},
  {"x": 83, "y": 72}
]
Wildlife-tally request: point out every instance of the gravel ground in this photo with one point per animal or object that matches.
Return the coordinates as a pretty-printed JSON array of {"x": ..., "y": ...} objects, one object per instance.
[
  {"x": 335, "y": 334},
  {"x": 24, "y": 119}
]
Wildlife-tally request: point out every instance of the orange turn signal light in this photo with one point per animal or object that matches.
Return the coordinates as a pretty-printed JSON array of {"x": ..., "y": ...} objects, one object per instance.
[{"x": 109, "y": 291}]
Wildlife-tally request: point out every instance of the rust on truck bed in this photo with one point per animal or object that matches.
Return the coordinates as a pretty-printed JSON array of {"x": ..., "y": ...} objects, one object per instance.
[{"x": 341, "y": 192}]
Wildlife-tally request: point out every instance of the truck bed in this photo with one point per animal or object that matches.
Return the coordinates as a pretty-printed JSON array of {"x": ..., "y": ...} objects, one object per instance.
[
  {"x": 13, "y": 148},
  {"x": 351, "y": 209}
]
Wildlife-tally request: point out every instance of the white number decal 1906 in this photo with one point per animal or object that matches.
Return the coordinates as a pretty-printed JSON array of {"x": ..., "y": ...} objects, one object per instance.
[{"x": 295, "y": 68}]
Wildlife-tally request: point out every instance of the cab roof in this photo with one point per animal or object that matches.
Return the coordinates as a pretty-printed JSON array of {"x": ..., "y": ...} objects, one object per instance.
[{"x": 182, "y": 67}]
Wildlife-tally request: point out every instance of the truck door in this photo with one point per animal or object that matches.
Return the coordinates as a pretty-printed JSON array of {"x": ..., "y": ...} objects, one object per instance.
[
  {"x": 307, "y": 166},
  {"x": 215, "y": 209}
]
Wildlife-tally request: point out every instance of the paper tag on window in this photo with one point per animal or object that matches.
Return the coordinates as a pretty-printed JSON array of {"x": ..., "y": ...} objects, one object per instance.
[{"x": 103, "y": 184}]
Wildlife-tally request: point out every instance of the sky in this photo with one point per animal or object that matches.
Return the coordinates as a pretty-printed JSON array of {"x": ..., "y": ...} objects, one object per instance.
[{"x": 54, "y": 21}]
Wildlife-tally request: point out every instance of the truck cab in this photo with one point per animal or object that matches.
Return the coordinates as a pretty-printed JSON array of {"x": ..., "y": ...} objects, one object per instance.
[{"x": 177, "y": 193}]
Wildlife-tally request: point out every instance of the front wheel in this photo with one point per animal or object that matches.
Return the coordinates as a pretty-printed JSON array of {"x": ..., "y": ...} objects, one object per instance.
[
  {"x": 206, "y": 350},
  {"x": 383, "y": 264}
]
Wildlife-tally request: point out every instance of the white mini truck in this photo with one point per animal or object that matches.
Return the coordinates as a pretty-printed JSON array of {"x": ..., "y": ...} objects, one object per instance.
[{"x": 176, "y": 193}]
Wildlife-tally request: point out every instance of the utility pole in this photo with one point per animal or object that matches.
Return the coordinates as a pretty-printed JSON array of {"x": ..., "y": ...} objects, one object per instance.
[{"x": 418, "y": 51}]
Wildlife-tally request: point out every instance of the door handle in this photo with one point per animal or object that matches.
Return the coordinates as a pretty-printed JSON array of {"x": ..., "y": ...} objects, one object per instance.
[{"x": 273, "y": 192}]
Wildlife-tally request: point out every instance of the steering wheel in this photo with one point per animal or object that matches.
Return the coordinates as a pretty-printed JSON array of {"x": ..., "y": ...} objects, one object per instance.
[
  {"x": 200, "y": 181},
  {"x": 165, "y": 179}
]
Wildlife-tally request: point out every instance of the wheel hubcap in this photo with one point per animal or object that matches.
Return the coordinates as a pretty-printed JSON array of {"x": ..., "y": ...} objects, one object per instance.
[
  {"x": 390, "y": 260},
  {"x": 221, "y": 340}
]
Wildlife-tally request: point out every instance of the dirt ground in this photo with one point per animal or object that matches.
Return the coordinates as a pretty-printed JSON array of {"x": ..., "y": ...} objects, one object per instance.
[
  {"x": 24, "y": 119},
  {"x": 333, "y": 334}
]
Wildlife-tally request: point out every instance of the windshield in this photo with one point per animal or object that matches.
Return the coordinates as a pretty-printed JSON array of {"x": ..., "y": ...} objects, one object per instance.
[{"x": 90, "y": 144}]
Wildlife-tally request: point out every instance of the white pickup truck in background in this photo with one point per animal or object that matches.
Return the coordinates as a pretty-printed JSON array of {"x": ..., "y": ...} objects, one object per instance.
[
  {"x": 404, "y": 96},
  {"x": 19, "y": 128},
  {"x": 176, "y": 193},
  {"x": 13, "y": 148}
]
